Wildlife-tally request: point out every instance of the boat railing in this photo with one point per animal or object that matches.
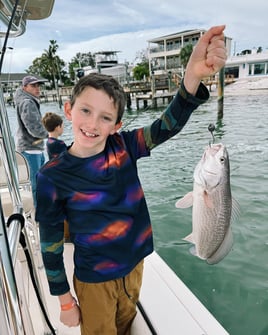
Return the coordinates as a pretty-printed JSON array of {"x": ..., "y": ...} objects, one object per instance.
[
  {"x": 10, "y": 312},
  {"x": 18, "y": 230},
  {"x": 15, "y": 318}
]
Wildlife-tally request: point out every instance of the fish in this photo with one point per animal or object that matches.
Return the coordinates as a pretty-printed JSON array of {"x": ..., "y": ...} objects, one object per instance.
[{"x": 213, "y": 207}]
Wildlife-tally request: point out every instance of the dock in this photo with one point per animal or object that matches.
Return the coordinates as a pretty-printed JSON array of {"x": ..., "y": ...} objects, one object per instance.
[
  {"x": 164, "y": 97},
  {"x": 158, "y": 90},
  {"x": 164, "y": 92}
]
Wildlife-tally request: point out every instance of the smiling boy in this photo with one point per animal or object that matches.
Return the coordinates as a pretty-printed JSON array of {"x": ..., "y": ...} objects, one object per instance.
[{"x": 94, "y": 185}]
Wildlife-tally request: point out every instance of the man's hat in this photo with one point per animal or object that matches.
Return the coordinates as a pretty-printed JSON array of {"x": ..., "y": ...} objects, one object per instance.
[{"x": 31, "y": 80}]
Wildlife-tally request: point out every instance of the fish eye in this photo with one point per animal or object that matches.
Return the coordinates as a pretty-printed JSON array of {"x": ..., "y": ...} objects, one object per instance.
[{"x": 222, "y": 159}]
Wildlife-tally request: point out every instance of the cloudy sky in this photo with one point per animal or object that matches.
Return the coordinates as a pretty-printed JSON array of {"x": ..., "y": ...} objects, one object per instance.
[{"x": 126, "y": 26}]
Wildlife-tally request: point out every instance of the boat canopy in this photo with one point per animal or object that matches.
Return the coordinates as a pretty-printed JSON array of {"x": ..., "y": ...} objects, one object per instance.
[{"x": 24, "y": 10}]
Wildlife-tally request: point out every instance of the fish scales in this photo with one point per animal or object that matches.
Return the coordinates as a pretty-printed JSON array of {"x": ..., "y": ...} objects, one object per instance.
[{"x": 212, "y": 204}]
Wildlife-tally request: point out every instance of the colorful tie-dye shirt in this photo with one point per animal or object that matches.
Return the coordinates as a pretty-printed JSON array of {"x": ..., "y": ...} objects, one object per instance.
[{"x": 102, "y": 199}]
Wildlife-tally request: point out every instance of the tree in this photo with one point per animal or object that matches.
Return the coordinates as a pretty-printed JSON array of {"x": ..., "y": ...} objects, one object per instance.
[
  {"x": 141, "y": 70},
  {"x": 79, "y": 61},
  {"x": 50, "y": 66},
  {"x": 141, "y": 56},
  {"x": 51, "y": 62},
  {"x": 185, "y": 54}
]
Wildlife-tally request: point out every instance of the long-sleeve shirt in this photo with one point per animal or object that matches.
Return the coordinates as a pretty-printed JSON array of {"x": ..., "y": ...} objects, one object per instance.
[
  {"x": 102, "y": 199},
  {"x": 55, "y": 147}
]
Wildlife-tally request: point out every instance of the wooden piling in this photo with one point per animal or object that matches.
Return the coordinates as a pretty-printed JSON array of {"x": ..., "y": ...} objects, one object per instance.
[{"x": 220, "y": 93}]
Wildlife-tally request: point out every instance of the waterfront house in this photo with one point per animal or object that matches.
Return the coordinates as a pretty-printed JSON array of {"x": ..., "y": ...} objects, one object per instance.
[
  {"x": 248, "y": 64},
  {"x": 164, "y": 56},
  {"x": 164, "y": 51}
]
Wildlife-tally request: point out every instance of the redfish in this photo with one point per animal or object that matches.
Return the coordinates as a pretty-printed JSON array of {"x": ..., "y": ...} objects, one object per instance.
[{"x": 213, "y": 208}]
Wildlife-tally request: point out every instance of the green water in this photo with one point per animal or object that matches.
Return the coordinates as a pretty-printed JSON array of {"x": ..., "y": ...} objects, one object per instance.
[{"x": 235, "y": 291}]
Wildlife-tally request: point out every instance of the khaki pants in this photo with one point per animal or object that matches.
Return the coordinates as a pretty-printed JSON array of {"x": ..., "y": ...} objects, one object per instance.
[
  {"x": 108, "y": 308},
  {"x": 66, "y": 231}
]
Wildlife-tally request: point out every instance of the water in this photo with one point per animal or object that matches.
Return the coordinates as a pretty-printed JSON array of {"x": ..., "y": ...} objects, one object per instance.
[{"x": 235, "y": 291}]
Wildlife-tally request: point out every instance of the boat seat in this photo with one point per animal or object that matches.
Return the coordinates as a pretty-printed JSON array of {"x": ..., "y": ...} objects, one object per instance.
[{"x": 24, "y": 183}]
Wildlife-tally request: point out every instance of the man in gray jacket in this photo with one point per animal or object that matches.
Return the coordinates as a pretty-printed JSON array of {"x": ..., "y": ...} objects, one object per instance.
[{"x": 30, "y": 128}]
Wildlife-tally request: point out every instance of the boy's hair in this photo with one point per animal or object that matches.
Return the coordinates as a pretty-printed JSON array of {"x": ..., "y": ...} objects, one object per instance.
[
  {"x": 51, "y": 121},
  {"x": 102, "y": 82}
]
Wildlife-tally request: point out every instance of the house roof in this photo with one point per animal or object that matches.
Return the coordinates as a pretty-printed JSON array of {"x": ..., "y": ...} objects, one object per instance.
[{"x": 174, "y": 35}]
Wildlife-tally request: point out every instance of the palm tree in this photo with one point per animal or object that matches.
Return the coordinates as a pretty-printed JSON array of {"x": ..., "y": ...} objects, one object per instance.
[
  {"x": 185, "y": 55},
  {"x": 50, "y": 61}
]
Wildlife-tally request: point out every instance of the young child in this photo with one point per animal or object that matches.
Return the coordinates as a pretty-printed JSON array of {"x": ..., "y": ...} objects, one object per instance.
[
  {"x": 95, "y": 186},
  {"x": 54, "y": 126}
]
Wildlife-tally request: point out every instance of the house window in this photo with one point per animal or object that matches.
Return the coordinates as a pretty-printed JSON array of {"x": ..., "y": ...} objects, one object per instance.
[
  {"x": 173, "y": 62},
  {"x": 158, "y": 63},
  {"x": 259, "y": 68},
  {"x": 169, "y": 46},
  {"x": 177, "y": 44}
]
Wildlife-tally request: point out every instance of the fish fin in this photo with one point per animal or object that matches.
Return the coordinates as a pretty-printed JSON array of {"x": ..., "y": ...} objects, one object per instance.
[
  {"x": 186, "y": 201},
  {"x": 193, "y": 250},
  {"x": 223, "y": 249},
  {"x": 207, "y": 200},
  {"x": 189, "y": 238}
]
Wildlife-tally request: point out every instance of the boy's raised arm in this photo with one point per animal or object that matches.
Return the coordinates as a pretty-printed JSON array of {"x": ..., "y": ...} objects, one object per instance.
[{"x": 208, "y": 57}]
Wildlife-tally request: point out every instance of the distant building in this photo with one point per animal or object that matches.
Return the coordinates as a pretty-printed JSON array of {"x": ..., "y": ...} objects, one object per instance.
[
  {"x": 164, "y": 51},
  {"x": 10, "y": 81},
  {"x": 248, "y": 65},
  {"x": 107, "y": 63},
  {"x": 164, "y": 56}
]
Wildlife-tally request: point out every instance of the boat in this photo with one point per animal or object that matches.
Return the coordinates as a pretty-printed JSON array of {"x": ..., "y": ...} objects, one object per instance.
[
  {"x": 166, "y": 306},
  {"x": 107, "y": 63}
]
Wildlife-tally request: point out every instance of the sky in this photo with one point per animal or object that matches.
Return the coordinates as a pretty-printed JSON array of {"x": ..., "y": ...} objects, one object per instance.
[{"x": 126, "y": 26}]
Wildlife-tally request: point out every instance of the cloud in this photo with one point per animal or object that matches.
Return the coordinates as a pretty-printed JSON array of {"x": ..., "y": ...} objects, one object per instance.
[{"x": 83, "y": 26}]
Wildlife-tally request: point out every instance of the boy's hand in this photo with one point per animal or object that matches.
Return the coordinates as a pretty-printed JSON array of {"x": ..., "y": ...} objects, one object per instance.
[
  {"x": 71, "y": 318},
  {"x": 208, "y": 57}
]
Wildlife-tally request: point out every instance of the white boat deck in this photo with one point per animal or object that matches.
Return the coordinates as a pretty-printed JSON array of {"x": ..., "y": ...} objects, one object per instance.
[
  {"x": 170, "y": 305},
  {"x": 172, "y": 308}
]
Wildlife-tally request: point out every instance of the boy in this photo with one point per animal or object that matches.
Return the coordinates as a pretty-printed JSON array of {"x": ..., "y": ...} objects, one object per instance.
[
  {"x": 95, "y": 186},
  {"x": 54, "y": 126}
]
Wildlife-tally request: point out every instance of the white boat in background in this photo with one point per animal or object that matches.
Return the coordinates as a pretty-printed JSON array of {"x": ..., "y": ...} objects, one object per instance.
[
  {"x": 107, "y": 63},
  {"x": 166, "y": 305}
]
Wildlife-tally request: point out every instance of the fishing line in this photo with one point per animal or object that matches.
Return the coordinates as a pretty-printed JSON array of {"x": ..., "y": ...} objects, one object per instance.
[
  {"x": 125, "y": 125},
  {"x": 7, "y": 35}
]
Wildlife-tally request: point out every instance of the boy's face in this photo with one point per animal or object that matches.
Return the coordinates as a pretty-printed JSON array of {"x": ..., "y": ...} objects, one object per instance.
[{"x": 93, "y": 117}]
